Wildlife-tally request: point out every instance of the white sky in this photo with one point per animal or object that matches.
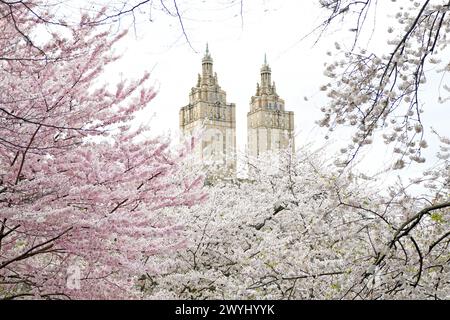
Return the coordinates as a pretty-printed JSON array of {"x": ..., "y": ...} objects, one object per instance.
[{"x": 273, "y": 27}]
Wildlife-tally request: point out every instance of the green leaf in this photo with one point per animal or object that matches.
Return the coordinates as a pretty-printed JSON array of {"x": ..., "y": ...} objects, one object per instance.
[{"x": 437, "y": 217}]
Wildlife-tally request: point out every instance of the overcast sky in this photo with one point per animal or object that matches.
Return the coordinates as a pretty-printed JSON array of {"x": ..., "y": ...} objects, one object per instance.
[{"x": 237, "y": 45}]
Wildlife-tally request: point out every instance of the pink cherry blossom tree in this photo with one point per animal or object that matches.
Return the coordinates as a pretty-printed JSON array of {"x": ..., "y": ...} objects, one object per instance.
[{"x": 80, "y": 190}]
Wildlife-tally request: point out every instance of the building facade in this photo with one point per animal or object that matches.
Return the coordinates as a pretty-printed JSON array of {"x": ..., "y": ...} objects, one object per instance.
[
  {"x": 210, "y": 121},
  {"x": 269, "y": 126}
]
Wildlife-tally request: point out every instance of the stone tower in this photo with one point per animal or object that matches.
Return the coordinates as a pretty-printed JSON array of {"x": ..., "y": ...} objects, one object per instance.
[
  {"x": 269, "y": 126},
  {"x": 212, "y": 121}
]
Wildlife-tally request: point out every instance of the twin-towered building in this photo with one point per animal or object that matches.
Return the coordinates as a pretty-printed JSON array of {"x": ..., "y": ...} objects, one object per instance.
[{"x": 212, "y": 120}]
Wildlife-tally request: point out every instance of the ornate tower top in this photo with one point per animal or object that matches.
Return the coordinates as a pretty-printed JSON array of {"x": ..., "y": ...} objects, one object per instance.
[
  {"x": 207, "y": 88},
  {"x": 266, "y": 96},
  {"x": 207, "y": 63},
  {"x": 266, "y": 74}
]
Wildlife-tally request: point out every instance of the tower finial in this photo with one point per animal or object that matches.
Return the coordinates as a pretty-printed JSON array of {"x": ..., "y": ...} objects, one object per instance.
[
  {"x": 265, "y": 58},
  {"x": 207, "y": 56}
]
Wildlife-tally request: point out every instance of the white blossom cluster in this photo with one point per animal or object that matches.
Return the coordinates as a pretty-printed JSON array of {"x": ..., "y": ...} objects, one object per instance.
[{"x": 381, "y": 93}]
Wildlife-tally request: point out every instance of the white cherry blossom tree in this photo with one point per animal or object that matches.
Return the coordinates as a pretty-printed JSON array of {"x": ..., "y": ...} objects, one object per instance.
[{"x": 299, "y": 230}]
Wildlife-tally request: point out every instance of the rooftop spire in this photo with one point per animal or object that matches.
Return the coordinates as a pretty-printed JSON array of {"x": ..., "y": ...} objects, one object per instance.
[
  {"x": 207, "y": 63},
  {"x": 265, "y": 67},
  {"x": 265, "y": 74},
  {"x": 207, "y": 57}
]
